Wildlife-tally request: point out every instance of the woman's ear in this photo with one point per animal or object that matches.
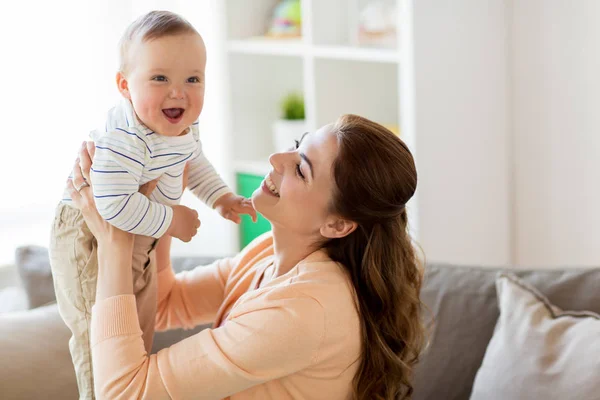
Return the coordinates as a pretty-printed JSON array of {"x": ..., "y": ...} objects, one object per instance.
[
  {"x": 122, "y": 85},
  {"x": 337, "y": 227}
]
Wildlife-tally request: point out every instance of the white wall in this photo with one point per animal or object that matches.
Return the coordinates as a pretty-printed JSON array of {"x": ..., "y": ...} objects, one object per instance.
[
  {"x": 58, "y": 75},
  {"x": 462, "y": 125},
  {"x": 556, "y": 116},
  {"x": 506, "y": 95},
  {"x": 60, "y": 82}
]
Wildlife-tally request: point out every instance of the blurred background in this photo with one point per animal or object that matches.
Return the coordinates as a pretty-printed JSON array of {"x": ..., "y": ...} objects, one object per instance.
[{"x": 496, "y": 98}]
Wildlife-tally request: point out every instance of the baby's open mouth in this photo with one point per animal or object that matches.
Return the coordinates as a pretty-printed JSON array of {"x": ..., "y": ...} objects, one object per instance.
[{"x": 173, "y": 114}]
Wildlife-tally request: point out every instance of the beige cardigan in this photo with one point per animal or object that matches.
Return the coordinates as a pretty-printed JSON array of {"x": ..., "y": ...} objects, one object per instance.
[{"x": 298, "y": 337}]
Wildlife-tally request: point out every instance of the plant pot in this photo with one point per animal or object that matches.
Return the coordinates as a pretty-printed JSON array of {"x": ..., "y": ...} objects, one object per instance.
[{"x": 285, "y": 131}]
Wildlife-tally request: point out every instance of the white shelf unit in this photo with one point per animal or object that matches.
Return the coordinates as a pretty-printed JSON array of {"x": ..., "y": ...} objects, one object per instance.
[
  {"x": 334, "y": 76},
  {"x": 433, "y": 85}
]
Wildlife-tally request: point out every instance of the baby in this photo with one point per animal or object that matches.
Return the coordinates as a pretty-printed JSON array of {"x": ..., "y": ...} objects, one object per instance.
[{"x": 152, "y": 133}]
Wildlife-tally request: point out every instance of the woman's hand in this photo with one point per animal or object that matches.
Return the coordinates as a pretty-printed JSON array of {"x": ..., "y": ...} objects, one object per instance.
[
  {"x": 84, "y": 198},
  {"x": 80, "y": 189}
]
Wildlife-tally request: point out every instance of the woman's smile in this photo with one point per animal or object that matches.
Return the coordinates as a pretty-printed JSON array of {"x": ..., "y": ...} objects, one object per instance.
[{"x": 269, "y": 187}]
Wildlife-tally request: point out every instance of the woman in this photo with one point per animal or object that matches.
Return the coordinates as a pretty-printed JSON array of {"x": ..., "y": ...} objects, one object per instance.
[{"x": 325, "y": 307}]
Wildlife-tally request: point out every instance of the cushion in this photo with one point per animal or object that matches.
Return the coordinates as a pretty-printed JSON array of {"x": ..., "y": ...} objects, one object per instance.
[
  {"x": 33, "y": 265},
  {"x": 539, "y": 351},
  {"x": 462, "y": 300},
  {"x": 35, "y": 361}
]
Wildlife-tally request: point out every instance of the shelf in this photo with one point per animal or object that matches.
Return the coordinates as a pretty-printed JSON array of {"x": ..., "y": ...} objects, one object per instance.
[
  {"x": 254, "y": 167},
  {"x": 262, "y": 45},
  {"x": 356, "y": 53},
  {"x": 296, "y": 47}
]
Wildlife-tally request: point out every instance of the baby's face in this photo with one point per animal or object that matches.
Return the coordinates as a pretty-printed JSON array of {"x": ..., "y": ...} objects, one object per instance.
[{"x": 165, "y": 81}]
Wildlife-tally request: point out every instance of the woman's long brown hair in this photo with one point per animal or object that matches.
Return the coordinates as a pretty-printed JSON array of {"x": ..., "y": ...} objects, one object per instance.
[{"x": 375, "y": 176}]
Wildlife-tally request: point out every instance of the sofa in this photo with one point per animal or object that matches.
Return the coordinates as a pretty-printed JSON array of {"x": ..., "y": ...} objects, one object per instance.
[{"x": 461, "y": 300}]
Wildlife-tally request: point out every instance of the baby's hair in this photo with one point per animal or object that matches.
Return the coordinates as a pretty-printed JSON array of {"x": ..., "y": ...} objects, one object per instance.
[{"x": 150, "y": 26}]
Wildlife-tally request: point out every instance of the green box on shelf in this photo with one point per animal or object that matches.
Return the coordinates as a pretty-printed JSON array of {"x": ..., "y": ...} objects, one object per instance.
[{"x": 246, "y": 185}]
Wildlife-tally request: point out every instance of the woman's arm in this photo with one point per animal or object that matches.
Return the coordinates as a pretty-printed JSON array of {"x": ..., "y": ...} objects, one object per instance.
[
  {"x": 115, "y": 275},
  {"x": 191, "y": 297},
  {"x": 264, "y": 339}
]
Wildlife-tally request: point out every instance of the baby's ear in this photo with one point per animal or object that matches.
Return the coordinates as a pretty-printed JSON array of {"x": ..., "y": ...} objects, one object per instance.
[{"x": 122, "y": 85}]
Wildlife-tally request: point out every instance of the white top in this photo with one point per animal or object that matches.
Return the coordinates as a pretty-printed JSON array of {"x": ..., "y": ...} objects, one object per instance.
[{"x": 128, "y": 155}]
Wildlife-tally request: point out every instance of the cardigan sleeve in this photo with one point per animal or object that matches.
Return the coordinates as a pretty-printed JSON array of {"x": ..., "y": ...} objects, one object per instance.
[
  {"x": 264, "y": 338},
  {"x": 194, "y": 297},
  {"x": 191, "y": 297}
]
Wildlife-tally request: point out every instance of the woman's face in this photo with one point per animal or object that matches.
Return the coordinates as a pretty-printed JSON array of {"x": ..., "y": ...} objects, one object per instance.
[{"x": 296, "y": 194}]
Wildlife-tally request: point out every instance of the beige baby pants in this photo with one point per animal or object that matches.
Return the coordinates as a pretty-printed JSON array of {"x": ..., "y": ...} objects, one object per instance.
[{"x": 73, "y": 258}]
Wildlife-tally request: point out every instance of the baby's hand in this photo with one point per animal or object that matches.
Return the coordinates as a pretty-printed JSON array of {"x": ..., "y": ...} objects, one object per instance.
[
  {"x": 185, "y": 223},
  {"x": 230, "y": 206}
]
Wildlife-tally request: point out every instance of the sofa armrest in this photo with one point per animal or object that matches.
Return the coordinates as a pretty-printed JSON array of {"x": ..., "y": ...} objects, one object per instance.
[{"x": 35, "y": 361}]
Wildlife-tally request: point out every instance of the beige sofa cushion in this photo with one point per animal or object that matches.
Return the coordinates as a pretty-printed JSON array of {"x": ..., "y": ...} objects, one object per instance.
[
  {"x": 35, "y": 362},
  {"x": 539, "y": 351}
]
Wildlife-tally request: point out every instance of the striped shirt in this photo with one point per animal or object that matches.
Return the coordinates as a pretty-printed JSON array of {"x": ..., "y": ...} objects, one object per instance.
[{"x": 128, "y": 155}]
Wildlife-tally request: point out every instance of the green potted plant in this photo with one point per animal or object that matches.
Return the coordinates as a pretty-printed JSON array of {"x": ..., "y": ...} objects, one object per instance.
[{"x": 292, "y": 123}]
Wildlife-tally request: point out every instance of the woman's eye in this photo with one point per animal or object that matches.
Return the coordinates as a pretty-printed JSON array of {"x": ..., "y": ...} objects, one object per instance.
[
  {"x": 295, "y": 146},
  {"x": 194, "y": 79},
  {"x": 159, "y": 78},
  {"x": 299, "y": 171}
]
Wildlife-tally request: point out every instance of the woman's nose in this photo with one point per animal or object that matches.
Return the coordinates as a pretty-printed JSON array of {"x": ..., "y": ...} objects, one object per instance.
[
  {"x": 277, "y": 160},
  {"x": 274, "y": 161}
]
